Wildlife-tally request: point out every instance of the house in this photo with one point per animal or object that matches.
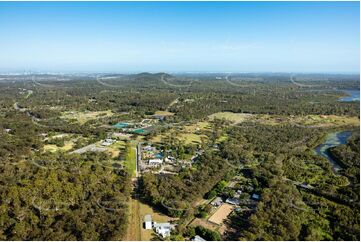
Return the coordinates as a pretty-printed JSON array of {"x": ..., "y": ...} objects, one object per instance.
[
  {"x": 155, "y": 162},
  {"x": 163, "y": 229},
  {"x": 107, "y": 142},
  {"x": 148, "y": 148},
  {"x": 159, "y": 117},
  {"x": 198, "y": 238},
  {"x": 233, "y": 201},
  {"x": 148, "y": 221},
  {"x": 255, "y": 197},
  {"x": 217, "y": 201}
]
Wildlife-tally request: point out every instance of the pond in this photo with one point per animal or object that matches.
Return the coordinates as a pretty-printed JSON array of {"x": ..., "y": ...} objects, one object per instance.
[
  {"x": 332, "y": 140},
  {"x": 352, "y": 95}
]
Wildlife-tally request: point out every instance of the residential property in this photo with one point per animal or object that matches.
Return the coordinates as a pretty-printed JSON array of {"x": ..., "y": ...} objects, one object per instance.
[
  {"x": 198, "y": 238},
  {"x": 107, "y": 142},
  {"x": 217, "y": 201},
  {"x": 155, "y": 162},
  {"x": 233, "y": 201},
  {"x": 255, "y": 196},
  {"x": 163, "y": 229},
  {"x": 148, "y": 221}
]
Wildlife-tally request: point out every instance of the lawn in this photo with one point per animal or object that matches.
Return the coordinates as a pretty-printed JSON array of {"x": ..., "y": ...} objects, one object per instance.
[
  {"x": 130, "y": 161},
  {"x": 232, "y": 117},
  {"x": 189, "y": 134},
  {"x": 191, "y": 138},
  {"x": 163, "y": 113},
  {"x": 68, "y": 145},
  {"x": 116, "y": 148},
  {"x": 83, "y": 117}
]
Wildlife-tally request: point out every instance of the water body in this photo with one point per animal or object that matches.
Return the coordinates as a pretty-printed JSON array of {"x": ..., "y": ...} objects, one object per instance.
[
  {"x": 332, "y": 140},
  {"x": 353, "y": 95}
]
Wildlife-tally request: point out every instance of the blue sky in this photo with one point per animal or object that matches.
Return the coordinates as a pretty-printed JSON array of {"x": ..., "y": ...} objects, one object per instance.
[{"x": 180, "y": 36}]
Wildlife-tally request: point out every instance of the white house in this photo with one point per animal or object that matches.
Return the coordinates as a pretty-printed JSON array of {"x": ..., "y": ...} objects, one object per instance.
[
  {"x": 148, "y": 221},
  {"x": 163, "y": 229},
  {"x": 107, "y": 142},
  {"x": 155, "y": 162},
  {"x": 198, "y": 238}
]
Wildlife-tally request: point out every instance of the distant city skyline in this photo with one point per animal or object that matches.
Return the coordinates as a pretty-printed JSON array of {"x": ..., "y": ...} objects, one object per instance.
[{"x": 121, "y": 37}]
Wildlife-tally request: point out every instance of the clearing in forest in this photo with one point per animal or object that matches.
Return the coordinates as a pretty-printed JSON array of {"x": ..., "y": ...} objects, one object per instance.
[
  {"x": 163, "y": 113},
  {"x": 68, "y": 145},
  {"x": 131, "y": 160},
  {"x": 232, "y": 117},
  {"x": 188, "y": 134},
  {"x": 308, "y": 120},
  {"x": 83, "y": 117},
  {"x": 221, "y": 214}
]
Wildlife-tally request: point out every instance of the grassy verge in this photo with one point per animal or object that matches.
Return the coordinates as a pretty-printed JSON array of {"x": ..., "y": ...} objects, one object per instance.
[{"x": 130, "y": 161}]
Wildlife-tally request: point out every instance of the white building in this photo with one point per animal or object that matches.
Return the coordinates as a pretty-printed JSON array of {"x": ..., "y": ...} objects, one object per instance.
[
  {"x": 107, "y": 142},
  {"x": 163, "y": 229},
  {"x": 155, "y": 162},
  {"x": 217, "y": 201},
  {"x": 198, "y": 238},
  {"x": 148, "y": 221}
]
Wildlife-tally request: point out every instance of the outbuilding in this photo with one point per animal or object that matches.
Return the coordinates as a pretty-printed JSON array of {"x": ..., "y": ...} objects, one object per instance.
[{"x": 148, "y": 221}]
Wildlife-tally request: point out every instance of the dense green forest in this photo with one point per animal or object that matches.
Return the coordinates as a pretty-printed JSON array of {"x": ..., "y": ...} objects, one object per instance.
[{"x": 61, "y": 195}]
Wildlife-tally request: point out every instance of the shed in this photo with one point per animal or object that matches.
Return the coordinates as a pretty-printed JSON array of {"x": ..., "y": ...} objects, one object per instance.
[{"x": 148, "y": 221}]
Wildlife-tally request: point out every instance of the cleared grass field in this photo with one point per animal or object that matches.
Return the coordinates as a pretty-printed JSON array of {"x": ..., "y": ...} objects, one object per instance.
[
  {"x": 190, "y": 134},
  {"x": 308, "y": 120},
  {"x": 134, "y": 232},
  {"x": 204, "y": 223},
  {"x": 191, "y": 138},
  {"x": 163, "y": 113},
  {"x": 130, "y": 161},
  {"x": 116, "y": 148},
  {"x": 83, "y": 117},
  {"x": 232, "y": 117},
  {"x": 68, "y": 145}
]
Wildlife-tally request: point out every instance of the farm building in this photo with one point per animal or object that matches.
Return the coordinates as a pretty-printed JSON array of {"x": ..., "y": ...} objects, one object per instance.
[{"x": 148, "y": 221}]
